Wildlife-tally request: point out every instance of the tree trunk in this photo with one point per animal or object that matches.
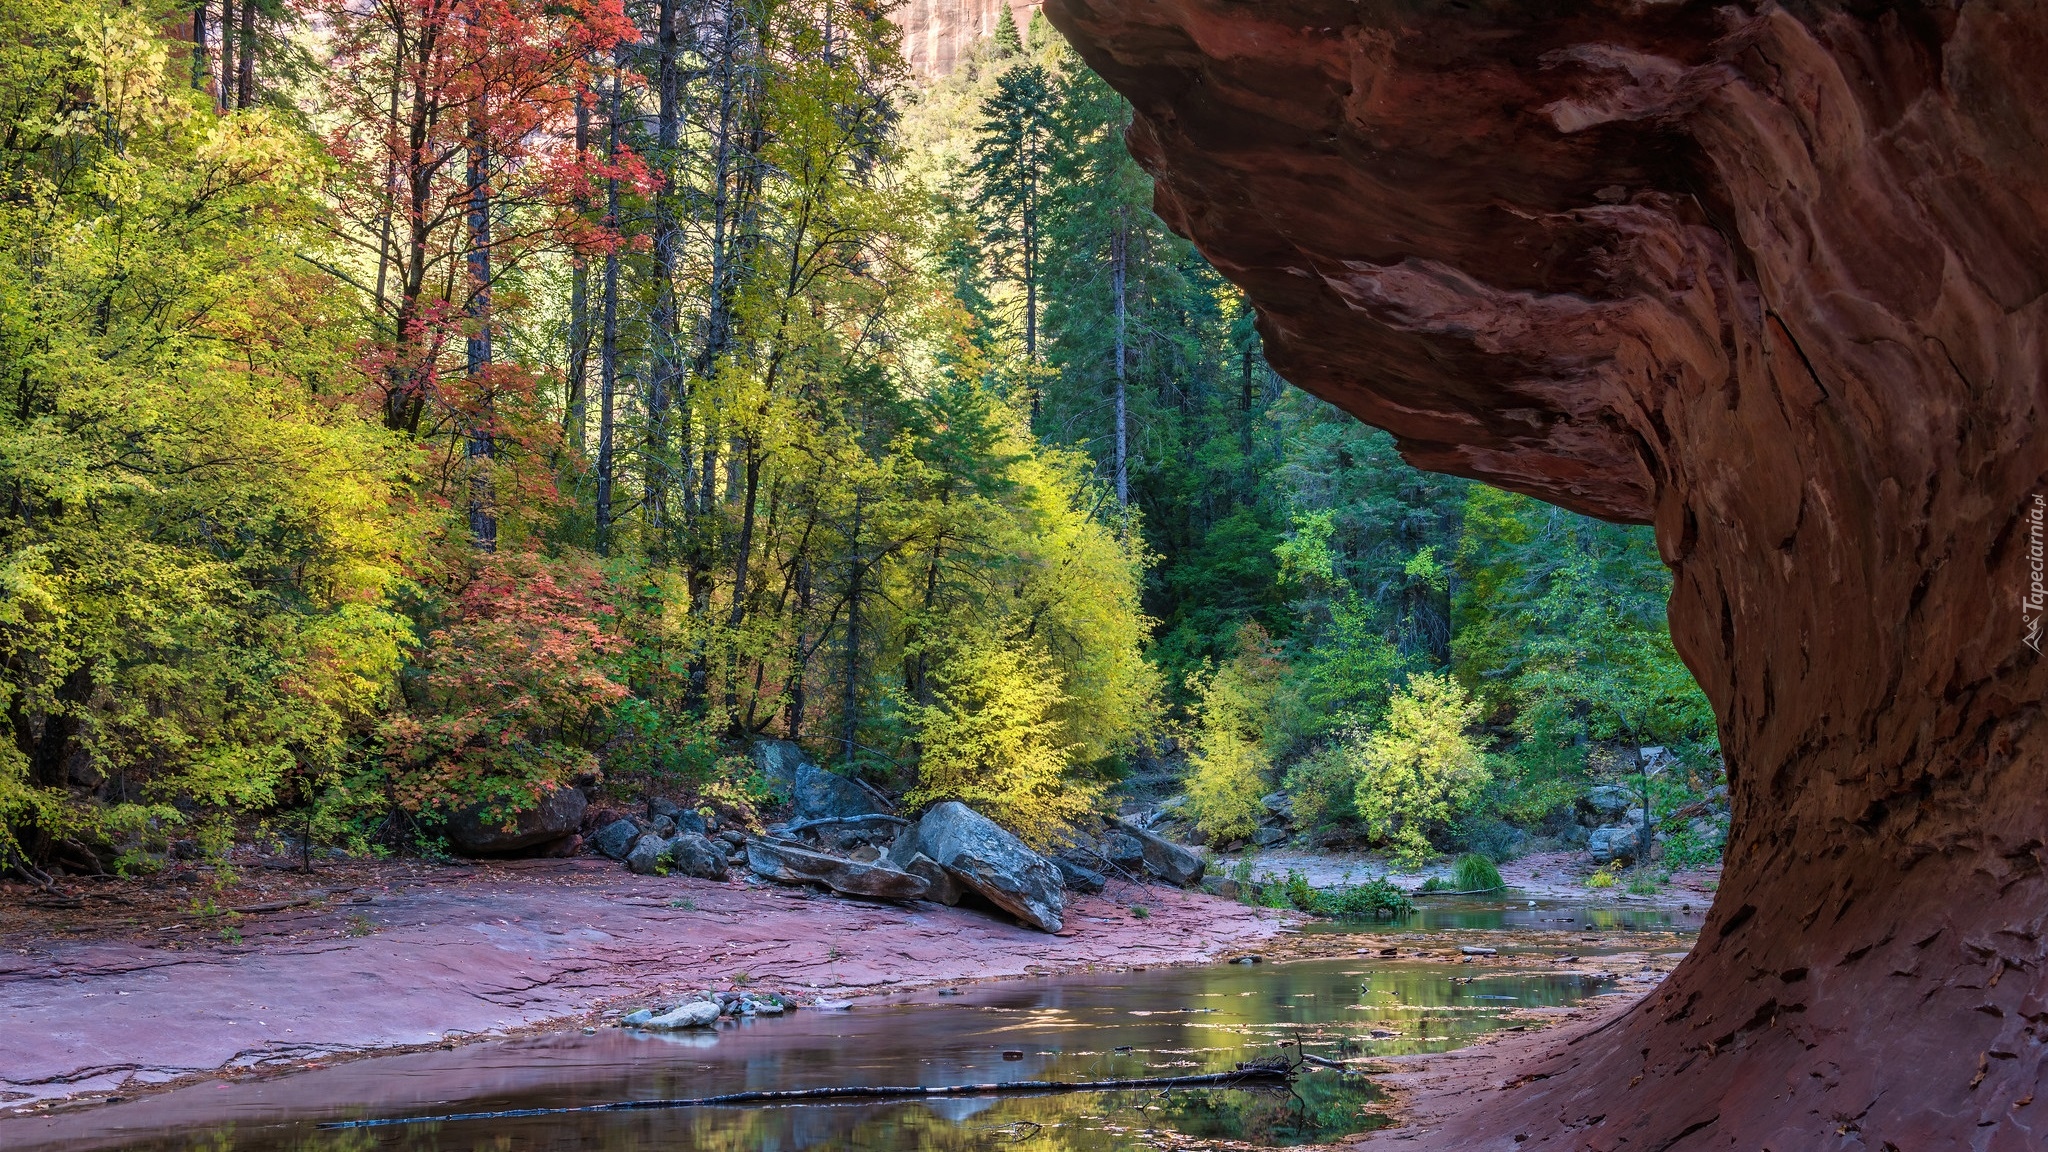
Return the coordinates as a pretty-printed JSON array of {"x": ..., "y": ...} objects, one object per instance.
[
  {"x": 575, "y": 406},
  {"x": 608, "y": 341},
  {"x": 481, "y": 447},
  {"x": 199, "y": 47},
  {"x": 1119, "y": 251},
  {"x": 856, "y": 573},
  {"x": 224, "y": 85},
  {"x": 667, "y": 237},
  {"x": 1775, "y": 279},
  {"x": 245, "y": 67}
]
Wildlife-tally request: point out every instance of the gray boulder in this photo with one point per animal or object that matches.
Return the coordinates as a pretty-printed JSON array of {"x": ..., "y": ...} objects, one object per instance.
[
  {"x": 778, "y": 760},
  {"x": 559, "y": 814},
  {"x": 994, "y": 863},
  {"x": 939, "y": 883},
  {"x": 789, "y": 864},
  {"x": 1077, "y": 878},
  {"x": 1269, "y": 834},
  {"x": 1165, "y": 859},
  {"x": 823, "y": 795},
  {"x": 679, "y": 818},
  {"x": 649, "y": 855},
  {"x": 693, "y": 855},
  {"x": 1616, "y": 842},
  {"x": 1123, "y": 850},
  {"x": 616, "y": 838},
  {"x": 1279, "y": 804},
  {"x": 695, "y": 1014},
  {"x": 1608, "y": 802}
]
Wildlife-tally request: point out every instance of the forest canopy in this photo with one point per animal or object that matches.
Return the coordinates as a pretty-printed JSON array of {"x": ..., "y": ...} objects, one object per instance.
[{"x": 426, "y": 404}]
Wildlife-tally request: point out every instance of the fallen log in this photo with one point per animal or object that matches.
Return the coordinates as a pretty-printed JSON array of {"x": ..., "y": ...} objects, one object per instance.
[{"x": 1250, "y": 1075}]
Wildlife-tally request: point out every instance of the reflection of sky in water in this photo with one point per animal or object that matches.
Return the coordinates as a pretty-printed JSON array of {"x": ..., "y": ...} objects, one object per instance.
[{"x": 1157, "y": 1023}]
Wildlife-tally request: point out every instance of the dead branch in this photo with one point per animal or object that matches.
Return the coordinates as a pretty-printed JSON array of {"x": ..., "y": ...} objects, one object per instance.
[{"x": 1252, "y": 1074}]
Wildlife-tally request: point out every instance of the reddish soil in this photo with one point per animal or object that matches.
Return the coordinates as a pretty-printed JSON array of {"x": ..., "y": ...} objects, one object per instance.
[{"x": 125, "y": 989}]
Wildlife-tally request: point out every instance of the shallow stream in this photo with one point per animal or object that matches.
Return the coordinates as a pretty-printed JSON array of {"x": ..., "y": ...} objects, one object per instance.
[{"x": 1161, "y": 1022}]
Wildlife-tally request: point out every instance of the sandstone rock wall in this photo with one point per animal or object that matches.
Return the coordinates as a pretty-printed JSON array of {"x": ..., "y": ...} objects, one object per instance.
[
  {"x": 1774, "y": 278},
  {"x": 936, "y": 33}
]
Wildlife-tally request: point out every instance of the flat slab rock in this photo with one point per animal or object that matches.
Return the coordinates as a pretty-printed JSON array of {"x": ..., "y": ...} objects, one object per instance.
[
  {"x": 500, "y": 948},
  {"x": 790, "y": 864}
]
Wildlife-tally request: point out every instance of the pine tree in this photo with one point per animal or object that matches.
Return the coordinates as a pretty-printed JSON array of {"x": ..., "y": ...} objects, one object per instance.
[{"x": 1012, "y": 149}]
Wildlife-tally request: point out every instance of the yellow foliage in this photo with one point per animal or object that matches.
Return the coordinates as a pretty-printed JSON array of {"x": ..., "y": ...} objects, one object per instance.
[{"x": 994, "y": 740}]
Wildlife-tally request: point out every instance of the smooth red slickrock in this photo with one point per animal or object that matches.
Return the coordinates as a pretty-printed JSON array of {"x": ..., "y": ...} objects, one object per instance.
[
  {"x": 513, "y": 949},
  {"x": 1770, "y": 277}
]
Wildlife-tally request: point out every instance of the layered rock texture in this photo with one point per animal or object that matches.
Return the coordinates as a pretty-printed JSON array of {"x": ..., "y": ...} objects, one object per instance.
[
  {"x": 1770, "y": 277},
  {"x": 936, "y": 33}
]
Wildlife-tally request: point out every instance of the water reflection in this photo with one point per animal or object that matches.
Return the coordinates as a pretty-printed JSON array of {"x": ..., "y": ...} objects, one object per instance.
[
  {"x": 1157, "y": 1023},
  {"x": 1476, "y": 914}
]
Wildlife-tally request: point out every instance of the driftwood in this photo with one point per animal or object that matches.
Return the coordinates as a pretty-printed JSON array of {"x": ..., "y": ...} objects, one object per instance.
[
  {"x": 825, "y": 821},
  {"x": 1249, "y": 1075}
]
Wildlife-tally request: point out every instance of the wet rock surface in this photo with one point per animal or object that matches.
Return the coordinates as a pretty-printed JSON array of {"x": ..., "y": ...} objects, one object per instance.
[{"x": 1773, "y": 278}]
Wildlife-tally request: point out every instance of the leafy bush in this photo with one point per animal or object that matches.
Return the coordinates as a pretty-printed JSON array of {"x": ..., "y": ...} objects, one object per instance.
[
  {"x": 1603, "y": 877},
  {"x": 510, "y": 692},
  {"x": 1420, "y": 769},
  {"x": 1376, "y": 899},
  {"x": 1475, "y": 873},
  {"x": 1435, "y": 884},
  {"x": 1231, "y": 759},
  {"x": 994, "y": 740}
]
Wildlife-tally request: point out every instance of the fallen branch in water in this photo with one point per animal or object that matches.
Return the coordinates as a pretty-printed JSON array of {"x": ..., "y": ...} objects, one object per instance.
[{"x": 1254, "y": 1074}]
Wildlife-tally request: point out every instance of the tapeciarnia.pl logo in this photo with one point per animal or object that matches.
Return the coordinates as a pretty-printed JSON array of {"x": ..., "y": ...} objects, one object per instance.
[{"x": 2032, "y": 605}]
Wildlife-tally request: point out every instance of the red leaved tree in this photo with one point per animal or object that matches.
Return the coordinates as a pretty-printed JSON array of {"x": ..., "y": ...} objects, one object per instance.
[{"x": 457, "y": 158}]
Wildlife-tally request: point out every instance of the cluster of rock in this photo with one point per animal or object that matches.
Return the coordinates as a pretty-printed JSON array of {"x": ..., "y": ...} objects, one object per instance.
[
  {"x": 840, "y": 835},
  {"x": 672, "y": 839},
  {"x": 844, "y": 836},
  {"x": 1610, "y": 818},
  {"x": 705, "y": 1009}
]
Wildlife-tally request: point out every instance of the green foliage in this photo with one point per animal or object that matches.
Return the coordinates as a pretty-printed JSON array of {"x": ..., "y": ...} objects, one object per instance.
[
  {"x": 1475, "y": 873},
  {"x": 1421, "y": 768},
  {"x": 1376, "y": 899},
  {"x": 1230, "y": 760}
]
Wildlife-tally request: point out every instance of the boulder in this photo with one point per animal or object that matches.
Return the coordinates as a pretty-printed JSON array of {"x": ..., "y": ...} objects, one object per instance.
[
  {"x": 1269, "y": 834},
  {"x": 693, "y": 855},
  {"x": 823, "y": 795},
  {"x": 559, "y": 814},
  {"x": 1123, "y": 850},
  {"x": 939, "y": 883},
  {"x": 1077, "y": 878},
  {"x": 1607, "y": 802},
  {"x": 778, "y": 761},
  {"x": 616, "y": 838},
  {"x": 1615, "y": 842},
  {"x": 649, "y": 855},
  {"x": 695, "y": 1014},
  {"x": 994, "y": 863},
  {"x": 1165, "y": 859},
  {"x": 790, "y": 864},
  {"x": 1279, "y": 804}
]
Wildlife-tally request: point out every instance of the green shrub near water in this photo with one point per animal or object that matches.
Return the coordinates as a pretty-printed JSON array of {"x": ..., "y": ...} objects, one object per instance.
[
  {"x": 1377, "y": 899},
  {"x": 1475, "y": 873}
]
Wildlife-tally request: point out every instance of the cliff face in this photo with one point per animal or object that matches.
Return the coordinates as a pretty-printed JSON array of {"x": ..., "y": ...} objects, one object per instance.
[
  {"x": 1774, "y": 278},
  {"x": 936, "y": 33}
]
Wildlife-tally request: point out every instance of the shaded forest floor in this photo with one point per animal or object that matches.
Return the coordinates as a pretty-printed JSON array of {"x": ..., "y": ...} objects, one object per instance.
[{"x": 124, "y": 986}]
